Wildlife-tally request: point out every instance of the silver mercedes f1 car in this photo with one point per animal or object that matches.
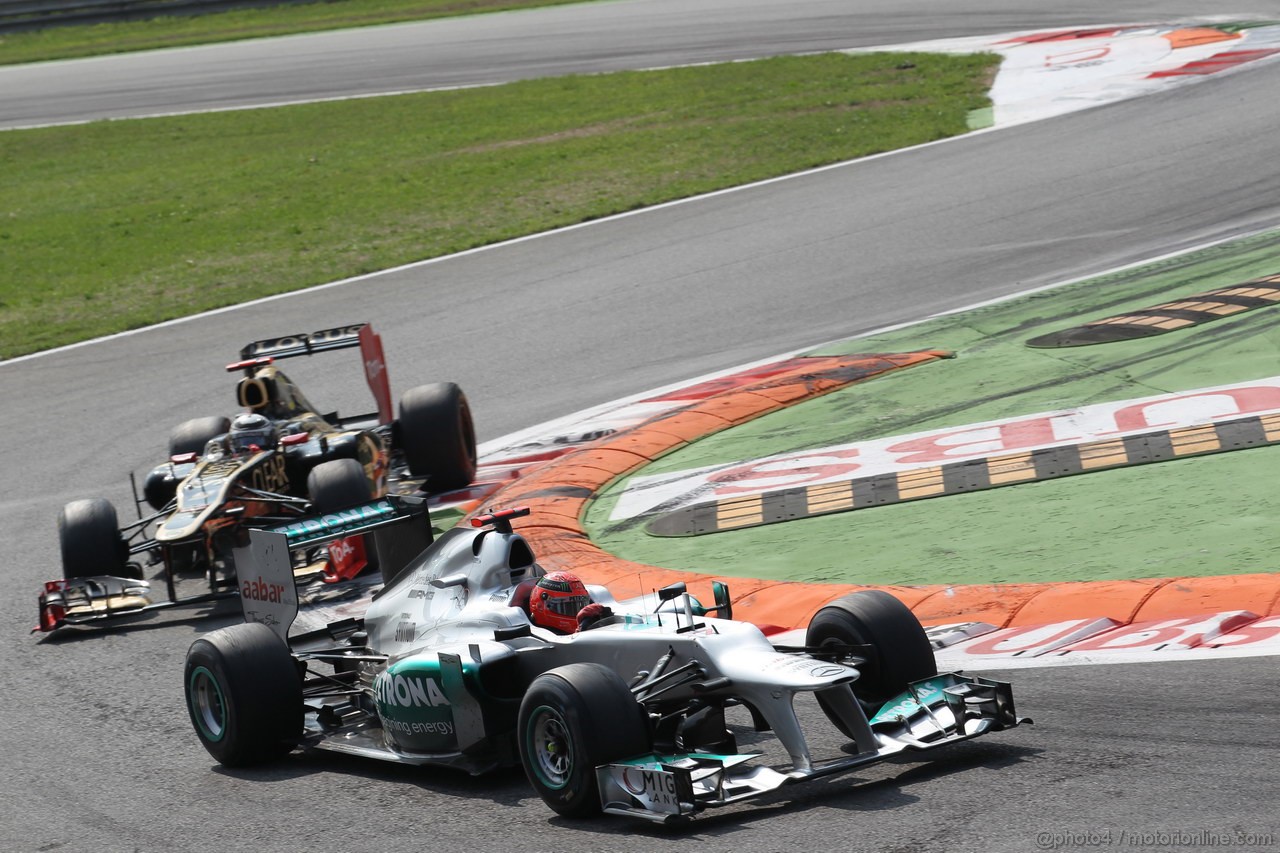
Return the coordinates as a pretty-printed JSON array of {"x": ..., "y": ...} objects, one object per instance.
[{"x": 452, "y": 666}]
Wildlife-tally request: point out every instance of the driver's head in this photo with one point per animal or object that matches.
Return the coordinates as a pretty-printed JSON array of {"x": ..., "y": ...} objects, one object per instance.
[
  {"x": 250, "y": 433},
  {"x": 556, "y": 600}
]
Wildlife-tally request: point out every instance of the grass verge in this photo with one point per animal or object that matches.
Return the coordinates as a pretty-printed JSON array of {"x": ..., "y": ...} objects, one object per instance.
[
  {"x": 1189, "y": 517},
  {"x": 74, "y": 41},
  {"x": 115, "y": 225}
]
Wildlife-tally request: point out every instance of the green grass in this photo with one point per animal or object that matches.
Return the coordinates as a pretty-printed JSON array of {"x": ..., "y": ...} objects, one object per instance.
[
  {"x": 72, "y": 41},
  {"x": 116, "y": 225},
  {"x": 1212, "y": 515}
]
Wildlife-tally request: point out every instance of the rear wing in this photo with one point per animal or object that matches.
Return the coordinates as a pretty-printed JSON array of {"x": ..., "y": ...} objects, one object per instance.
[
  {"x": 364, "y": 518},
  {"x": 290, "y": 346},
  {"x": 399, "y": 527},
  {"x": 326, "y": 340}
]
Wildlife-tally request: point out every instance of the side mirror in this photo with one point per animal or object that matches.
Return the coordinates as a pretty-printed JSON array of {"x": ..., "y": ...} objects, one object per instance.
[{"x": 724, "y": 607}]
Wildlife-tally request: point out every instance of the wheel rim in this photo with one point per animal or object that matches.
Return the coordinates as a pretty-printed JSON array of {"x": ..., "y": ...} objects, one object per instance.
[
  {"x": 551, "y": 747},
  {"x": 836, "y": 647},
  {"x": 869, "y": 669},
  {"x": 208, "y": 705}
]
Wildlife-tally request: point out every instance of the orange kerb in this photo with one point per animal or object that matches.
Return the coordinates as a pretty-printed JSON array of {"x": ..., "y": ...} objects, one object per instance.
[
  {"x": 992, "y": 603},
  {"x": 555, "y": 530},
  {"x": 1258, "y": 594},
  {"x": 1059, "y": 602}
]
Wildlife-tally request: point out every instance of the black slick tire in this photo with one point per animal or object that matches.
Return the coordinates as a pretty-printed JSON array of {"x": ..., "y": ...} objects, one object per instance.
[
  {"x": 437, "y": 435},
  {"x": 573, "y": 719},
  {"x": 897, "y": 649},
  {"x": 337, "y": 484},
  {"x": 90, "y": 541},
  {"x": 191, "y": 436},
  {"x": 244, "y": 694}
]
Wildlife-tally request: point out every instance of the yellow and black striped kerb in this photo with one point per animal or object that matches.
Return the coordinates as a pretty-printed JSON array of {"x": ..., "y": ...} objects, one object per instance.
[
  {"x": 970, "y": 475},
  {"x": 1169, "y": 317}
]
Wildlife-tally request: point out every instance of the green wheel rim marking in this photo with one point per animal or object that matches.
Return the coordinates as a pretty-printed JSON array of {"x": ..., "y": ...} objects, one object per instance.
[
  {"x": 208, "y": 705},
  {"x": 550, "y": 748}
]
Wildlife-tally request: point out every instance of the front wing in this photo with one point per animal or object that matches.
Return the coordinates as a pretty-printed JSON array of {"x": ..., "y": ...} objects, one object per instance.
[
  {"x": 932, "y": 712},
  {"x": 104, "y": 598},
  {"x": 80, "y": 601}
]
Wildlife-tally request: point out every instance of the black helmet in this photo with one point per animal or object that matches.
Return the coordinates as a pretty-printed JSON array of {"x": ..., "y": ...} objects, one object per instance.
[{"x": 250, "y": 432}]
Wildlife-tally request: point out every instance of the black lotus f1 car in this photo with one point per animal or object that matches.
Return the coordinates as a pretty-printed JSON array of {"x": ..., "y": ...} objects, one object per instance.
[
  {"x": 627, "y": 715},
  {"x": 281, "y": 460}
]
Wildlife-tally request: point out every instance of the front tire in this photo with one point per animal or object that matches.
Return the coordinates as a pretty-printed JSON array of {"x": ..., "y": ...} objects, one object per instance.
[
  {"x": 244, "y": 694},
  {"x": 90, "y": 541},
  {"x": 337, "y": 484},
  {"x": 573, "y": 719},
  {"x": 898, "y": 650},
  {"x": 438, "y": 436}
]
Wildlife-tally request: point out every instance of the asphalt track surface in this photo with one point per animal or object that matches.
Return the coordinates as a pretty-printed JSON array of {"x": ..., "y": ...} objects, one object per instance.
[
  {"x": 98, "y": 753},
  {"x": 602, "y": 36}
]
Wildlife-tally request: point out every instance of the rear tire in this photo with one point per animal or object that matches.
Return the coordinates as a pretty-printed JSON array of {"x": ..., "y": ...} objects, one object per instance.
[
  {"x": 438, "y": 436},
  {"x": 898, "y": 650},
  {"x": 90, "y": 540},
  {"x": 337, "y": 484},
  {"x": 573, "y": 719},
  {"x": 191, "y": 436},
  {"x": 244, "y": 694}
]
